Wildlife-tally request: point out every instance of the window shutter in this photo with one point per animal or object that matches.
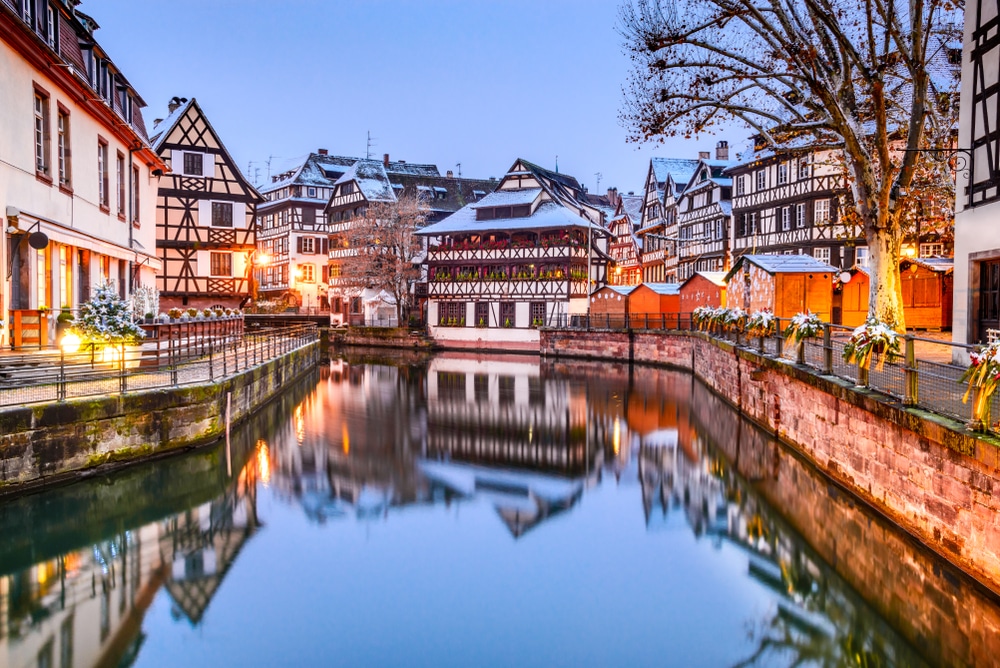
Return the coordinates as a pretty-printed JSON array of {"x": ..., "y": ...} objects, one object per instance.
[
  {"x": 208, "y": 165},
  {"x": 326, "y": 273},
  {"x": 299, "y": 245},
  {"x": 326, "y": 246}
]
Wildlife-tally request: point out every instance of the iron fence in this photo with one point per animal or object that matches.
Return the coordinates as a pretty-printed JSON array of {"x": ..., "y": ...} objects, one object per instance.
[
  {"x": 165, "y": 361},
  {"x": 926, "y": 373}
]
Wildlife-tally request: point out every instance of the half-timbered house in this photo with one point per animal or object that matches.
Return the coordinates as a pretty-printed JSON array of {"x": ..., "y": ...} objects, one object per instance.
[
  {"x": 665, "y": 181},
  {"x": 78, "y": 177},
  {"x": 205, "y": 215},
  {"x": 625, "y": 246},
  {"x": 704, "y": 218},
  {"x": 977, "y": 235},
  {"x": 367, "y": 181},
  {"x": 787, "y": 203},
  {"x": 522, "y": 257}
]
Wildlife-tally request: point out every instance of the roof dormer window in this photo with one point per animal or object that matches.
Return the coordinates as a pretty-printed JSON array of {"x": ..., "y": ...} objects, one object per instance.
[{"x": 502, "y": 212}]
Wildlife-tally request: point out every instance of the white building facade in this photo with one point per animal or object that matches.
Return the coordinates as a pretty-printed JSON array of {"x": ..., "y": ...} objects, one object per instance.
[{"x": 77, "y": 167}]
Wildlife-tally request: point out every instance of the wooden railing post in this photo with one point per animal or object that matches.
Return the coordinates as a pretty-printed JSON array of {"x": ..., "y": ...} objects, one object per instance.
[
  {"x": 827, "y": 349},
  {"x": 912, "y": 392}
]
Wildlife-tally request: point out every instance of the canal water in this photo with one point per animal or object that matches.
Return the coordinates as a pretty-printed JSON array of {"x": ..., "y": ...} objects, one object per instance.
[{"x": 460, "y": 510}]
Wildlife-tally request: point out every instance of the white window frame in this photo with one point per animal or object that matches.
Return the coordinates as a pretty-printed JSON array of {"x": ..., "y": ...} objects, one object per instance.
[
  {"x": 741, "y": 184},
  {"x": 931, "y": 249},
  {"x": 804, "y": 168},
  {"x": 822, "y": 254},
  {"x": 308, "y": 245},
  {"x": 800, "y": 216},
  {"x": 786, "y": 218},
  {"x": 761, "y": 179},
  {"x": 782, "y": 173},
  {"x": 861, "y": 256},
  {"x": 308, "y": 272},
  {"x": 821, "y": 211}
]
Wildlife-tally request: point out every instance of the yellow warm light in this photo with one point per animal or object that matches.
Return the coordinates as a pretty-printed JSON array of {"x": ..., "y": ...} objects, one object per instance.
[
  {"x": 263, "y": 462},
  {"x": 70, "y": 343},
  {"x": 261, "y": 259},
  {"x": 346, "y": 438},
  {"x": 908, "y": 251},
  {"x": 616, "y": 439},
  {"x": 300, "y": 425}
]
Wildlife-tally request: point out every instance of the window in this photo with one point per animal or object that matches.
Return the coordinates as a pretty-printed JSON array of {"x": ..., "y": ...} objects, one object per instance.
[
  {"x": 308, "y": 216},
  {"x": 308, "y": 245},
  {"x": 28, "y": 11},
  {"x": 42, "y": 133},
  {"x": 538, "y": 317},
  {"x": 822, "y": 254},
  {"x": 311, "y": 192},
  {"x": 125, "y": 100},
  {"x": 194, "y": 164},
  {"x": 62, "y": 149},
  {"x": 740, "y": 184},
  {"x": 451, "y": 314},
  {"x": 135, "y": 195},
  {"x": 103, "y": 197},
  {"x": 748, "y": 224},
  {"x": 782, "y": 173},
  {"x": 120, "y": 176},
  {"x": 222, "y": 264},
  {"x": 482, "y": 314},
  {"x": 347, "y": 188},
  {"x": 931, "y": 250},
  {"x": 800, "y": 215},
  {"x": 821, "y": 211},
  {"x": 861, "y": 256},
  {"x": 507, "y": 318},
  {"x": 761, "y": 179},
  {"x": 786, "y": 218},
  {"x": 222, "y": 214},
  {"x": 51, "y": 28},
  {"x": 803, "y": 168}
]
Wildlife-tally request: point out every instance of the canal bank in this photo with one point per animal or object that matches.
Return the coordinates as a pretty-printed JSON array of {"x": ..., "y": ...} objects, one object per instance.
[
  {"x": 56, "y": 442},
  {"x": 927, "y": 474}
]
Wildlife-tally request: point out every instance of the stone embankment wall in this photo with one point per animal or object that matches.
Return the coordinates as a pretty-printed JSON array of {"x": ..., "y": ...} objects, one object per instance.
[
  {"x": 56, "y": 442},
  {"x": 928, "y": 474},
  {"x": 379, "y": 337}
]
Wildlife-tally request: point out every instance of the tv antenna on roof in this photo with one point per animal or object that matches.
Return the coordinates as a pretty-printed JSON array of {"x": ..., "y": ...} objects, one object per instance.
[
  {"x": 599, "y": 176},
  {"x": 458, "y": 165},
  {"x": 370, "y": 145}
]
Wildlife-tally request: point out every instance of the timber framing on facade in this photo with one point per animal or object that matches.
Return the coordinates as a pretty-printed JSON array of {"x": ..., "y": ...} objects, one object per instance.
[
  {"x": 666, "y": 179},
  {"x": 705, "y": 218},
  {"x": 206, "y": 214},
  {"x": 625, "y": 246}
]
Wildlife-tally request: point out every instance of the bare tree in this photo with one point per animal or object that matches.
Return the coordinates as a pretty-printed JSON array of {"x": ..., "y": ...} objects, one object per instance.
[
  {"x": 385, "y": 246},
  {"x": 855, "y": 76}
]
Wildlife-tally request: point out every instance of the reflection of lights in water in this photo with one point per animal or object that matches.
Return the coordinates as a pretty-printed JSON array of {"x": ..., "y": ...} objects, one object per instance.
[
  {"x": 300, "y": 425},
  {"x": 345, "y": 438},
  {"x": 263, "y": 462},
  {"x": 616, "y": 439}
]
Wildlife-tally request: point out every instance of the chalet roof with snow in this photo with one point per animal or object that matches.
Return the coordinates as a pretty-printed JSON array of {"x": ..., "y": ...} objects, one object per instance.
[
  {"x": 624, "y": 290},
  {"x": 632, "y": 206},
  {"x": 548, "y": 215},
  {"x": 509, "y": 197},
  {"x": 782, "y": 264},
  {"x": 371, "y": 179},
  {"x": 680, "y": 169},
  {"x": 666, "y": 289},
  {"x": 716, "y": 277},
  {"x": 941, "y": 265}
]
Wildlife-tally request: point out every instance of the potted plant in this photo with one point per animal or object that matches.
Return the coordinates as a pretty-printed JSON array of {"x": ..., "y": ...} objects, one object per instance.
[
  {"x": 874, "y": 338},
  {"x": 983, "y": 377}
]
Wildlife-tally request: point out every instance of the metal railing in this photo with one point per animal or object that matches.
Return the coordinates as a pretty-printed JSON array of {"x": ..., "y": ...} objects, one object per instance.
[
  {"x": 157, "y": 363},
  {"x": 924, "y": 374}
]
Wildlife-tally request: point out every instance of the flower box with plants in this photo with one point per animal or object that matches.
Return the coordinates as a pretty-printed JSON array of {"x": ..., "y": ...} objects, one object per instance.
[
  {"x": 805, "y": 325},
  {"x": 874, "y": 339},
  {"x": 761, "y": 324},
  {"x": 983, "y": 377}
]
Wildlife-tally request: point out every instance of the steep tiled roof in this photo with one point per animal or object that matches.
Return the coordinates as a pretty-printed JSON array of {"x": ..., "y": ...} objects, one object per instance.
[{"x": 548, "y": 215}]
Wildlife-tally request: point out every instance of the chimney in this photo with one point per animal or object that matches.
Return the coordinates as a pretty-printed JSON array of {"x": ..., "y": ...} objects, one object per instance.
[
  {"x": 613, "y": 196},
  {"x": 631, "y": 193},
  {"x": 722, "y": 150},
  {"x": 322, "y": 151},
  {"x": 704, "y": 155},
  {"x": 174, "y": 103},
  {"x": 449, "y": 174},
  {"x": 385, "y": 159}
]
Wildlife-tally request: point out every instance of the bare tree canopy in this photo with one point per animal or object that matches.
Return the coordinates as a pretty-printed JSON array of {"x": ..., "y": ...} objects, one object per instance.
[
  {"x": 871, "y": 79},
  {"x": 385, "y": 246}
]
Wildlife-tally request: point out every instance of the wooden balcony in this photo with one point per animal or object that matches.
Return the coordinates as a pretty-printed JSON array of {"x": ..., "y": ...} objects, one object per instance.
[
  {"x": 506, "y": 255},
  {"x": 504, "y": 290}
]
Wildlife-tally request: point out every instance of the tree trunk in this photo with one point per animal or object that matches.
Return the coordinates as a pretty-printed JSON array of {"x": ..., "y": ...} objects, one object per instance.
[{"x": 885, "y": 295}]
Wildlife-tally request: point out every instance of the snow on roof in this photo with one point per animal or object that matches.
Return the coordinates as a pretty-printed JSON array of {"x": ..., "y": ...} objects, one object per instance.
[
  {"x": 632, "y": 205},
  {"x": 664, "y": 288},
  {"x": 681, "y": 169},
  {"x": 548, "y": 215},
  {"x": 942, "y": 264},
  {"x": 508, "y": 197},
  {"x": 372, "y": 180},
  {"x": 783, "y": 264},
  {"x": 716, "y": 277},
  {"x": 620, "y": 289},
  {"x": 163, "y": 128}
]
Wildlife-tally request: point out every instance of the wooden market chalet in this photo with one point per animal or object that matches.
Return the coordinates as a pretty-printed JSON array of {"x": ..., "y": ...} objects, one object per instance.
[
  {"x": 665, "y": 182},
  {"x": 205, "y": 216},
  {"x": 523, "y": 256}
]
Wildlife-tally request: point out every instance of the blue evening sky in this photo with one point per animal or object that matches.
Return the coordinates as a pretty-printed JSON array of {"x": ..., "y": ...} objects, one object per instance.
[{"x": 476, "y": 82}]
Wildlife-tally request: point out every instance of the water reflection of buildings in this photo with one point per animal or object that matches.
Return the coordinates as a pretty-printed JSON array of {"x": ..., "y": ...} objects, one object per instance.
[
  {"x": 497, "y": 430},
  {"x": 85, "y": 607}
]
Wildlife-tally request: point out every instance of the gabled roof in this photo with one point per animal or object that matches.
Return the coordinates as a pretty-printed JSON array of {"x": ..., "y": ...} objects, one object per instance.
[
  {"x": 716, "y": 277},
  {"x": 782, "y": 264},
  {"x": 508, "y": 198},
  {"x": 563, "y": 179},
  {"x": 680, "y": 169},
  {"x": 631, "y": 205},
  {"x": 323, "y": 170},
  {"x": 165, "y": 128},
  {"x": 663, "y": 288},
  {"x": 547, "y": 216},
  {"x": 371, "y": 179},
  {"x": 624, "y": 290}
]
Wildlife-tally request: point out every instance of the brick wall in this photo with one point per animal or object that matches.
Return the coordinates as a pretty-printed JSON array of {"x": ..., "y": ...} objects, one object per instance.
[{"x": 926, "y": 473}]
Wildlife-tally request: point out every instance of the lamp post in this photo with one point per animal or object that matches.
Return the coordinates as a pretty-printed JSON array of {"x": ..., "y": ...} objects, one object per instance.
[{"x": 255, "y": 258}]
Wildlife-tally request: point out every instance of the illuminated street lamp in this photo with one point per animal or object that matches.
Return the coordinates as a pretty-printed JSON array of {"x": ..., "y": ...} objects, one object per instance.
[{"x": 255, "y": 258}]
